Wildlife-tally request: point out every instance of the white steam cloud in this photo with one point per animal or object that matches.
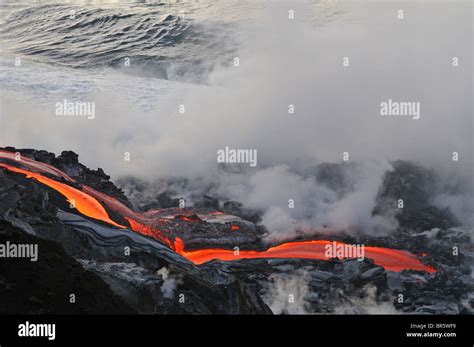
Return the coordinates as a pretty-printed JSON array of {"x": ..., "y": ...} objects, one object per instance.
[
  {"x": 286, "y": 294},
  {"x": 281, "y": 62},
  {"x": 365, "y": 303},
  {"x": 170, "y": 283}
]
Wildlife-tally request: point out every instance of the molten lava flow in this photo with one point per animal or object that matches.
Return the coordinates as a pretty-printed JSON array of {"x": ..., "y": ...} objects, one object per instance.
[
  {"x": 88, "y": 202},
  {"x": 84, "y": 203},
  {"x": 390, "y": 259},
  {"x": 35, "y": 165},
  {"x": 148, "y": 231},
  {"x": 192, "y": 218}
]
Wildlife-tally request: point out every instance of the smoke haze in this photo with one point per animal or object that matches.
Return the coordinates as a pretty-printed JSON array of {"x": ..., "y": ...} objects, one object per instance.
[{"x": 282, "y": 62}]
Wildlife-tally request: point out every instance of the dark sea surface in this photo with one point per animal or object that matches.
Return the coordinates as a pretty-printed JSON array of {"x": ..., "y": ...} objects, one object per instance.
[{"x": 169, "y": 40}]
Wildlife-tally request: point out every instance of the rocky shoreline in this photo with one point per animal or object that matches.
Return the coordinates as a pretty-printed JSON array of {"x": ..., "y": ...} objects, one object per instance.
[{"x": 131, "y": 273}]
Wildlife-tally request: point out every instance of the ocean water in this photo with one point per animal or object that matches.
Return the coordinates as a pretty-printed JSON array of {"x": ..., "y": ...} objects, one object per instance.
[
  {"x": 133, "y": 53},
  {"x": 134, "y": 48},
  {"x": 102, "y": 34}
]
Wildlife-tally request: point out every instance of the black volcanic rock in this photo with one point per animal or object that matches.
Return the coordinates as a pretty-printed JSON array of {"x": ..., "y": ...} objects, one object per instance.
[
  {"x": 72, "y": 255},
  {"x": 89, "y": 256},
  {"x": 44, "y": 286},
  {"x": 68, "y": 162},
  {"x": 68, "y": 157},
  {"x": 414, "y": 184},
  {"x": 238, "y": 209}
]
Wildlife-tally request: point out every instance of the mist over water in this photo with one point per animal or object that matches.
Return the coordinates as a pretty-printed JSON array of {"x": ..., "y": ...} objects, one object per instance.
[{"x": 281, "y": 62}]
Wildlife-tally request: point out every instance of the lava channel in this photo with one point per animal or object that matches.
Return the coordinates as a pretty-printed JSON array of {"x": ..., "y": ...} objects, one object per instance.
[
  {"x": 88, "y": 202},
  {"x": 390, "y": 259}
]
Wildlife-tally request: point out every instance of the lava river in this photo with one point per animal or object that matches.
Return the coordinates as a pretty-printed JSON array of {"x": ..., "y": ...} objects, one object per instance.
[{"x": 90, "y": 202}]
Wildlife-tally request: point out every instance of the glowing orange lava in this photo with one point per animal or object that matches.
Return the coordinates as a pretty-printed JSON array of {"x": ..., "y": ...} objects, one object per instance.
[
  {"x": 190, "y": 219},
  {"x": 88, "y": 202},
  {"x": 148, "y": 231},
  {"x": 84, "y": 203},
  {"x": 390, "y": 259}
]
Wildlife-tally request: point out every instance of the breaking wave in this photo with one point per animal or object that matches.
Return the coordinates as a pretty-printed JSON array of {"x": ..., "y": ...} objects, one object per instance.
[{"x": 157, "y": 39}]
